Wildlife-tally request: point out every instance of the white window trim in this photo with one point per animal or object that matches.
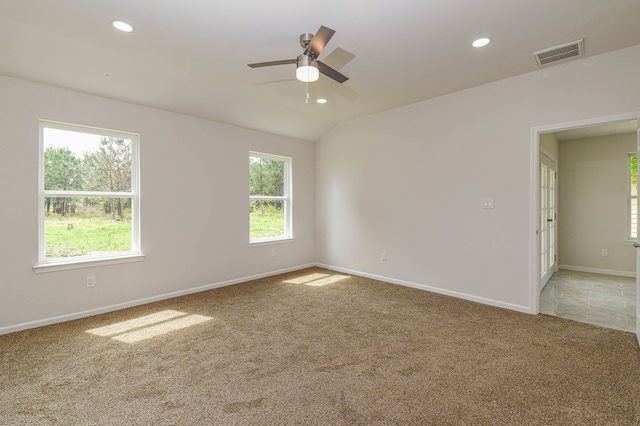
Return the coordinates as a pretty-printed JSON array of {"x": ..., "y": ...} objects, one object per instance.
[
  {"x": 86, "y": 263},
  {"x": 265, "y": 242},
  {"x": 135, "y": 254},
  {"x": 288, "y": 216},
  {"x": 629, "y": 198}
]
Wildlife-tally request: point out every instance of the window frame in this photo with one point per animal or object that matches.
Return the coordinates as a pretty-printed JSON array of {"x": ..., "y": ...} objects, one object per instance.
[
  {"x": 135, "y": 254},
  {"x": 630, "y": 198},
  {"x": 286, "y": 198}
]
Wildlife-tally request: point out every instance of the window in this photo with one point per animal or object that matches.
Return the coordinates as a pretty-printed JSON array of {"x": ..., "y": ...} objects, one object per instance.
[
  {"x": 88, "y": 197},
  {"x": 269, "y": 197},
  {"x": 633, "y": 197}
]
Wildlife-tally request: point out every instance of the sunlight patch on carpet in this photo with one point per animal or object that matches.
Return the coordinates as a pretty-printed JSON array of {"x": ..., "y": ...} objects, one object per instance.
[
  {"x": 144, "y": 321},
  {"x": 149, "y": 326},
  {"x": 317, "y": 279},
  {"x": 157, "y": 330}
]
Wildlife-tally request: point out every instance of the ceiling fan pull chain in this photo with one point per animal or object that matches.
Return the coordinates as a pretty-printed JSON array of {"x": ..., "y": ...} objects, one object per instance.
[{"x": 307, "y": 84}]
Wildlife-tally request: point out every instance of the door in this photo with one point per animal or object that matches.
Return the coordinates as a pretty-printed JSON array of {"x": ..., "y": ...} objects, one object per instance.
[{"x": 548, "y": 218}]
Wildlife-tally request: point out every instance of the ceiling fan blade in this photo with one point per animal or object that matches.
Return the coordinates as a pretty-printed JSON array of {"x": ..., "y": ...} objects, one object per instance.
[
  {"x": 319, "y": 41},
  {"x": 330, "y": 72},
  {"x": 338, "y": 58},
  {"x": 271, "y": 63}
]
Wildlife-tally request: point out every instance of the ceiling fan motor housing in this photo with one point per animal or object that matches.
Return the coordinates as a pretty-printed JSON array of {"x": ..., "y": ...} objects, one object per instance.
[
  {"x": 305, "y": 39},
  {"x": 307, "y": 61}
]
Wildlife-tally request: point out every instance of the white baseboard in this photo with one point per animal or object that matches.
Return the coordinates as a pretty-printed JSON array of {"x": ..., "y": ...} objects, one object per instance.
[
  {"x": 119, "y": 306},
  {"x": 478, "y": 299},
  {"x": 598, "y": 271}
]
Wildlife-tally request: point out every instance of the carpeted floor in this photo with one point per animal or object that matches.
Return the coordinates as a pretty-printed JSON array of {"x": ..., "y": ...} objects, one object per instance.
[{"x": 316, "y": 347}]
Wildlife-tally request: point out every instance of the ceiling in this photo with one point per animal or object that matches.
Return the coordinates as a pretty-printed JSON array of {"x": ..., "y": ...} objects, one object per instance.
[{"x": 191, "y": 56}]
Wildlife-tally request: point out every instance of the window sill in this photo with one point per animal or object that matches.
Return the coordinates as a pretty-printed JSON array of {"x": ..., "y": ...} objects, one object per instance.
[
  {"x": 86, "y": 263},
  {"x": 630, "y": 242},
  {"x": 260, "y": 243}
]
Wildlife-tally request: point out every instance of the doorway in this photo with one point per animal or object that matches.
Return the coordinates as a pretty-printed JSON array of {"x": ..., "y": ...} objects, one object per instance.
[{"x": 577, "y": 275}]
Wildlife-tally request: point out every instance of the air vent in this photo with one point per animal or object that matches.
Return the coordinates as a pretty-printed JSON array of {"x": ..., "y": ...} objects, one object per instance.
[{"x": 559, "y": 53}]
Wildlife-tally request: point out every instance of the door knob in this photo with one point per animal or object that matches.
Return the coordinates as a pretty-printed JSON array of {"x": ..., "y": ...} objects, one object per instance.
[{"x": 549, "y": 220}]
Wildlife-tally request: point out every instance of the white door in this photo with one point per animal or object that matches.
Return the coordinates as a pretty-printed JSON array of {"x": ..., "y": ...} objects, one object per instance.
[{"x": 548, "y": 218}]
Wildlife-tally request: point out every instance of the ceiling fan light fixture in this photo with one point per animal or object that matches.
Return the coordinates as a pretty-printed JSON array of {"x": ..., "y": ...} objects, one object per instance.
[{"x": 307, "y": 70}]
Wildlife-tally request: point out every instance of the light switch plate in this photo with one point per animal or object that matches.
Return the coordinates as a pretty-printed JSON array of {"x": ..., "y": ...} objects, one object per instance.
[{"x": 487, "y": 203}]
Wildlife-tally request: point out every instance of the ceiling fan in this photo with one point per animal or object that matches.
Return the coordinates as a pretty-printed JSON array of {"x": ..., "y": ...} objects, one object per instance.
[{"x": 308, "y": 67}]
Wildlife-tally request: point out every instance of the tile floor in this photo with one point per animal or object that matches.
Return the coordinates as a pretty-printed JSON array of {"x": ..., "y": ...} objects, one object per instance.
[{"x": 604, "y": 300}]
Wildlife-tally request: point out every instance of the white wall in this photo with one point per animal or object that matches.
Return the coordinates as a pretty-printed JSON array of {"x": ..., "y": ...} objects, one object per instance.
[
  {"x": 194, "y": 195},
  {"x": 592, "y": 204},
  {"x": 410, "y": 181}
]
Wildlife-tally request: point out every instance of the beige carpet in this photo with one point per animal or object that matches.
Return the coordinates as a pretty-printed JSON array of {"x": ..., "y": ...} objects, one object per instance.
[{"x": 317, "y": 347}]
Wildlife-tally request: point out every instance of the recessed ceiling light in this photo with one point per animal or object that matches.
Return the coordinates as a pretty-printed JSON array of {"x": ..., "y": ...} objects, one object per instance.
[
  {"x": 122, "y": 26},
  {"x": 321, "y": 100},
  {"x": 481, "y": 42}
]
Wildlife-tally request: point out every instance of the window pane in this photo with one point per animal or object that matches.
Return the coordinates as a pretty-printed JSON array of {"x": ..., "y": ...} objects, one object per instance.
[
  {"x": 633, "y": 197},
  {"x": 634, "y": 218},
  {"x": 266, "y": 219},
  {"x": 79, "y": 226},
  {"x": 634, "y": 175},
  {"x": 266, "y": 177},
  {"x": 76, "y": 161}
]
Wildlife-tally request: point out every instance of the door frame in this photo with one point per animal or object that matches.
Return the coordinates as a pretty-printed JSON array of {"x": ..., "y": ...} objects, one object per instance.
[
  {"x": 637, "y": 246},
  {"x": 534, "y": 198}
]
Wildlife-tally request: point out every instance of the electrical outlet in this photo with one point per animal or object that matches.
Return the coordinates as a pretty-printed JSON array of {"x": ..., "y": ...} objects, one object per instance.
[
  {"x": 273, "y": 252},
  {"x": 605, "y": 253},
  {"x": 91, "y": 281},
  {"x": 383, "y": 256}
]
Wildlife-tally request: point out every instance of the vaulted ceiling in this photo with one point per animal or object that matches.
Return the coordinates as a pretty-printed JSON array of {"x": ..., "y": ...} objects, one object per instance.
[{"x": 191, "y": 56}]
